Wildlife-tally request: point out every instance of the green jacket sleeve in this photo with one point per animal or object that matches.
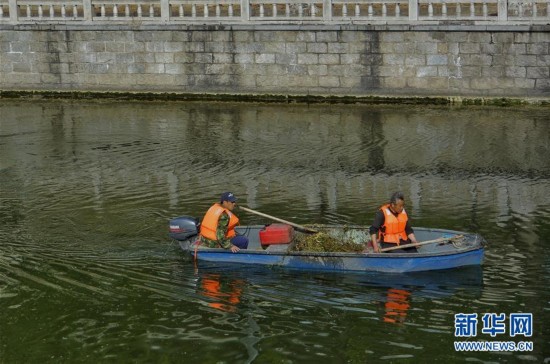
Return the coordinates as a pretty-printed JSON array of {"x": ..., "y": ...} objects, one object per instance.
[{"x": 223, "y": 223}]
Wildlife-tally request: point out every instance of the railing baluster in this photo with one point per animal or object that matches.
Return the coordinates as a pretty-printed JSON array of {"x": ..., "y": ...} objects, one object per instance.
[
  {"x": 397, "y": 10},
  {"x": 313, "y": 10},
  {"x": 384, "y": 10},
  {"x": 261, "y": 10},
  {"x": 28, "y": 11},
  {"x": 458, "y": 10},
  {"x": 127, "y": 10},
  {"x": 344, "y": 10},
  {"x": 40, "y": 11},
  {"x": 274, "y": 10},
  {"x": 485, "y": 12},
  {"x": 139, "y": 11},
  {"x": 534, "y": 10},
  {"x": 194, "y": 11},
  {"x": 430, "y": 10},
  {"x": 300, "y": 10},
  {"x": 103, "y": 10},
  {"x": 287, "y": 10},
  {"x": 370, "y": 11},
  {"x": 75, "y": 11},
  {"x": 151, "y": 11},
  {"x": 115, "y": 11},
  {"x": 230, "y": 11},
  {"x": 218, "y": 12},
  {"x": 357, "y": 10},
  {"x": 444, "y": 9},
  {"x": 520, "y": 10},
  {"x": 472, "y": 9}
]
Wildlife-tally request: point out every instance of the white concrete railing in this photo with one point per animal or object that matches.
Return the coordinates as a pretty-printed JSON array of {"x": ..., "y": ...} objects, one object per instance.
[{"x": 273, "y": 11}]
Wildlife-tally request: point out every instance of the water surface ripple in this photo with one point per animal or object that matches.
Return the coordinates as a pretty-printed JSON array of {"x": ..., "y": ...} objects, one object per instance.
[{"x": 88, "y": 274}]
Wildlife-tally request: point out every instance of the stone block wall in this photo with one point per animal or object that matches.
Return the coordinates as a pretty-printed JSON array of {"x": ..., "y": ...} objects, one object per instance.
[{"x": 279, "y": 59}]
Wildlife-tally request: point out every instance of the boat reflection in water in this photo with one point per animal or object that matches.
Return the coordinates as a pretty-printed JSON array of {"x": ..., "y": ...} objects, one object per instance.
[
  {"x": 225, "y": 287},
  {"x": 222, "y": 293},
  {"x": 397, "y": 305},
  {"x": 401, "y": 290}
]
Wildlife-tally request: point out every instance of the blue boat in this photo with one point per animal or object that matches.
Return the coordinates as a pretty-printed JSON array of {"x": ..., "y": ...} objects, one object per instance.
[{"x": 438, "y": 249}]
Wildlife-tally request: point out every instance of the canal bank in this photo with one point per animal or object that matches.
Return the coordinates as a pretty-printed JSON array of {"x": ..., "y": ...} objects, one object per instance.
[
  {"x": 276, "y": 98},
  {"x": 436, "y": 63}
]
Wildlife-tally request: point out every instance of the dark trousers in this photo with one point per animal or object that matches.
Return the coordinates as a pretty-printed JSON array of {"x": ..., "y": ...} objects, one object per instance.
[
  {"x": 411, "y": 249},
  {"x": 240, "y": 241}
]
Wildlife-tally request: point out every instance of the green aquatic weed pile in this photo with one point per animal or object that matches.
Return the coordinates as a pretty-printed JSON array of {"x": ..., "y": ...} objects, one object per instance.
[{"x": 322, "y": 242}]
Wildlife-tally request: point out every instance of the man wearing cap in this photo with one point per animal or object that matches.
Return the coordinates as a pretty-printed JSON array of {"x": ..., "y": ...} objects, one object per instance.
[{"x": 218, "y": 225}]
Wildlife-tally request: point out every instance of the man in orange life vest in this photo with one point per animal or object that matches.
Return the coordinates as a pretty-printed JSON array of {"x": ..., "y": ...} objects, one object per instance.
[
  {"x": 218, "y": 225},
  {"x": 391, "y": 226}
]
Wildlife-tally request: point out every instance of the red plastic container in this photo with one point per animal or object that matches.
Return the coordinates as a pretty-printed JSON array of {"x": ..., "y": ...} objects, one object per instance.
[{"x": 276, "y": 234}]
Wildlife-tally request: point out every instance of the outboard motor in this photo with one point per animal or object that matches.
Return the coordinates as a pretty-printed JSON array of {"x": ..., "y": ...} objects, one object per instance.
[{"x": 184, "y": 227}]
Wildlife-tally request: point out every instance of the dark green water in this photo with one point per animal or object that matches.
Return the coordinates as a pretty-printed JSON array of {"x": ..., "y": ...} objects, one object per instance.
[{"x": 88, "y": 273}]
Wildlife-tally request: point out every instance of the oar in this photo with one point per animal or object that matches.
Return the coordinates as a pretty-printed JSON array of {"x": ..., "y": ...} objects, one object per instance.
[
  {"x": 306, "y": 229},
  {"x": 421, "y": 243}
]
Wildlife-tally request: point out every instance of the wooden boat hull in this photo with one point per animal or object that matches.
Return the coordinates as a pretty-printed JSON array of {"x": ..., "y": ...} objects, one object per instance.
[{"x": 436, "y": 256}]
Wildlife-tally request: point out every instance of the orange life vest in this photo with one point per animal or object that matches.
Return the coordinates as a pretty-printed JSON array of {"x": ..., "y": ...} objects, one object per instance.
[
  {"x": 394, "y": 226},
  {"x": 209, "y": 223}
]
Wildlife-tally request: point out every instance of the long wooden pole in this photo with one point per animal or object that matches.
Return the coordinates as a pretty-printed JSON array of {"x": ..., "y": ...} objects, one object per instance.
[
  {"x": 421, "y": 243},
  {"x": 306, "y": 229}
]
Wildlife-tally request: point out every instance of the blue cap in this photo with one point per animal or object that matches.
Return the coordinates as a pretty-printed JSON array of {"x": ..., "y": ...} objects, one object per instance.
[{"x": 228, "y": 196}]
